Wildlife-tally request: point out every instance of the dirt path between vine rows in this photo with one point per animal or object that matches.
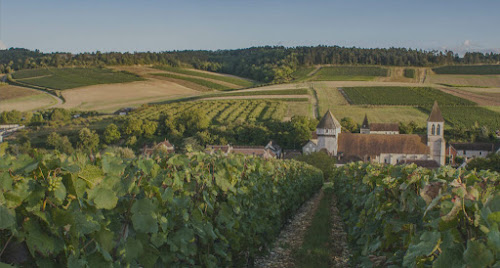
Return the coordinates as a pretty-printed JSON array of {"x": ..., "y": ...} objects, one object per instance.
[
  {"x": 292, "y": 237},
  {"x": 340, "y": 249}
]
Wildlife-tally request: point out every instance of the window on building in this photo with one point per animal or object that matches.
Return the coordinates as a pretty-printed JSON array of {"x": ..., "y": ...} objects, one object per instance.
[
  {"x": 439, "y": 130},
  {"x": 433, "y": 130}
]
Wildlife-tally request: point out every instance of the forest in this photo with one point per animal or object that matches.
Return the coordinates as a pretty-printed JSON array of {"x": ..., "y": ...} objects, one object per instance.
[{"x": 264, "y": 64}]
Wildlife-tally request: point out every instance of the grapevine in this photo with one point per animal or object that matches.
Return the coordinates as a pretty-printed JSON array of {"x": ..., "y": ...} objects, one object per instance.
[{"x": 197, "y": 211}]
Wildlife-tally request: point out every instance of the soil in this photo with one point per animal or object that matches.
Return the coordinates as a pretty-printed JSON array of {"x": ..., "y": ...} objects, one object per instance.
[{"x": 291, "y": 237}]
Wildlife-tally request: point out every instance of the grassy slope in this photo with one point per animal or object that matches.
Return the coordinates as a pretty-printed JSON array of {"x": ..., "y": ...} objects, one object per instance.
[
  {"x": 67, "y": 78},
  {"x": 302, "y": 73},
  {"x": 228, "y": 79}
]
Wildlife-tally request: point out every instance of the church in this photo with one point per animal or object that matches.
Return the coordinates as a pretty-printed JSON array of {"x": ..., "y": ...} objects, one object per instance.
[{"x": 382, "y": 144}]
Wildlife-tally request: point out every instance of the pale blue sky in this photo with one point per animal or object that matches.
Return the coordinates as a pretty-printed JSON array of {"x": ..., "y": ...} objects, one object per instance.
[{"x": 149, "y": 25}]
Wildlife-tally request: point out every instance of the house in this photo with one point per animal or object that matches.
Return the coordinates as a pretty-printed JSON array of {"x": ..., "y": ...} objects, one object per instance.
[
  {"x": 386, "y": 148},
  {"x": 378, "y": 128},
  {"x": 124, "y": 111},
  {"x": 469, "y": 150},
  {"x": 275, "y": 148},
  {"x": 260, "y": 151},
  {"x": 165, "y": 146}
]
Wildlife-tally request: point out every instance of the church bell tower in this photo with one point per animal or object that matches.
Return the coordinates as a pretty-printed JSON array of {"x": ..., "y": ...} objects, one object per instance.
[{"x": 435, "y": 135}]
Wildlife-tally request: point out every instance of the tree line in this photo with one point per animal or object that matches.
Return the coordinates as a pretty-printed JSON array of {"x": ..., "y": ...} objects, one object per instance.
[{"x": 265, "y": 64}]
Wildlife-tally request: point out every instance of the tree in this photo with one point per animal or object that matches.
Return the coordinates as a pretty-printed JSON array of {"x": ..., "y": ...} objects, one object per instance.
[
  {"x": 149, "y": 128},
  {"x": 349, "y": 125},
  {"x": 53, "y": 139},
  {"x": 88, "y": 140},
  {"x": 301, "y": 129},
  {"x": 491, "y": 162},
  {"x": 59, "y": 114},
  {"x": 131, "y": 141},
  {"x": 132, "y": 126},
  {"x": 191, "y": 121},
  {"x": 111, "y": 134}
]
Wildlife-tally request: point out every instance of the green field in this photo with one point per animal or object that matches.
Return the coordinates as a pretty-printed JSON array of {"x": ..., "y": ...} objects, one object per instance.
[
  {"x": 468, "y": 69},
  {"x": 30, "y": 73},
  {"x": 469, "y": 116},
  {"x": 66, "y": 78},
  {"x": 409, "y": 73},
  {"x": 229, "y": 79},
  {"x": 221, "y": 111},
  {"x": 198, "y": 81},
  {"x": 349, "y": 73},
  {"x": 411, "y": 96}
]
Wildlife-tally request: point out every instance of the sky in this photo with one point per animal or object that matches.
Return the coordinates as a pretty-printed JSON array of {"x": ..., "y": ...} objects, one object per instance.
[{"x": 153, "y": 25}]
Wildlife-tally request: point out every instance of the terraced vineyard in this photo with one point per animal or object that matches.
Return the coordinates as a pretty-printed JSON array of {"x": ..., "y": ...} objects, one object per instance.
[
  {"x": 410, "y": 96},
  {"x": 221, "y": 111},
  {"x": 409, "y": 73},
  {"x": 349, "y": 73},
  {"x": 67, "y": 78},
  {"x": 468, "y": 69},
  {"x": 469, "y": 116},
  {"x": 199, "y": 81},
  {"x": 229, "y": 79}
]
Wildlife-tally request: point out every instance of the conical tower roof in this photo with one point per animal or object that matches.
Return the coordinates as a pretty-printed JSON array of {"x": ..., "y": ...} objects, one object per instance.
[
  {"x": 328, "y": 121},
  {"x": 365, "y": 122},
  {"x": 435, "y": 115}
]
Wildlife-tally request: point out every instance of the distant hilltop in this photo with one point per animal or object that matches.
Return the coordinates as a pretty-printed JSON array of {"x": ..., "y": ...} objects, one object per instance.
[{"x": 265, "y": 64}]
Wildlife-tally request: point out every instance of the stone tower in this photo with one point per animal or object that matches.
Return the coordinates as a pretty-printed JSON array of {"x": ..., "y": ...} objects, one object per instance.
[
  {"x": 328, "y": 131},
  {"x": 365, "y": 128},
  {"x": 435, "y": 135}
]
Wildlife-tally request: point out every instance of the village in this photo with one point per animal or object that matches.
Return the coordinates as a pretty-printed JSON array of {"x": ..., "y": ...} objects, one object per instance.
[{"x": 376, "y": 143}]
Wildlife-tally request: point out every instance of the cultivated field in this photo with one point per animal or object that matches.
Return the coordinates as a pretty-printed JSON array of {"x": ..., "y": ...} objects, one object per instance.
[
  {"x": 349, "y": 73},
  {"x": 465, "y": 80},
  {"x": 108, "y": 98},
  {"x": 468, "y": 69},
  {"x": 224, "y": 79},
  {"x": 221, "y": 111},
  {"x": 202, "y": 82},
  {"x": 67, "y": 78},
  {"x": 24, "y": 99},
  {"x": 482, "y": 96},
  {"x": 469, "y": 116},
  {"x": 411, "y": 96}
]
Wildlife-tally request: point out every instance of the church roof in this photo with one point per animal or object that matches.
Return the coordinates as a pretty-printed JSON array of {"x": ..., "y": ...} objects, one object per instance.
[
  {"x": 435, "y": 115},
  {"x": 365, "y": 122},
  {"x": 328, "y": 121},
  {"x": 474, "y": 146},
  {"x": 355, "y": 144}
]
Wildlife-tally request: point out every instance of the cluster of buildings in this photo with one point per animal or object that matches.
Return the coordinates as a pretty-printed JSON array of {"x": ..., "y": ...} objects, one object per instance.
[
  {"x": 382, "y": 143},
  {"x": 375, "y": 142}
]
